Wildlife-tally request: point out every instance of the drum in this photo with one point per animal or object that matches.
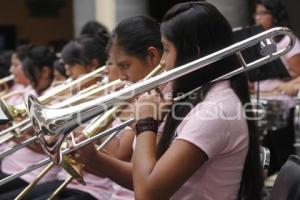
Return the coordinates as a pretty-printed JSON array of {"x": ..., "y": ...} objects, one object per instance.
[
  {"x": 297, "y": 127},
  {"x": 271, "y": 113}
]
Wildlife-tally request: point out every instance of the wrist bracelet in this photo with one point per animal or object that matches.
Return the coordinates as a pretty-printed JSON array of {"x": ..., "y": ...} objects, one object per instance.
[{"x": 146, "y": 124}]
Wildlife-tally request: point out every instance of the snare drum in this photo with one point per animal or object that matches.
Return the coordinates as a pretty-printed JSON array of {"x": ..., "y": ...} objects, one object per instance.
[
  {"x": 297, "y": 127},
  {"x": 271, "y": 113}
]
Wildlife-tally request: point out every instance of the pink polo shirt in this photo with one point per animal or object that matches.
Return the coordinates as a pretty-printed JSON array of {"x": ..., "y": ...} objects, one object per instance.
[
  {"x": 23, "y": 93},
  {"x": 218, "y": 127},
  {"x": 100, "y": 188}
]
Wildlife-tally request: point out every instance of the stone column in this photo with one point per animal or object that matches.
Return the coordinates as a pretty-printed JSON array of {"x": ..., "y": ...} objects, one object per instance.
[
  {"x": 107, "y": 12},
  {"x": 237, "y": 12}
]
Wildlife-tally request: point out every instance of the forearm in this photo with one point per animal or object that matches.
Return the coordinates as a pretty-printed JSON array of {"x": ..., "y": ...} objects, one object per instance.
[
  {"x": 112, "y": 168},
  {"x": 144, "y": 160}
]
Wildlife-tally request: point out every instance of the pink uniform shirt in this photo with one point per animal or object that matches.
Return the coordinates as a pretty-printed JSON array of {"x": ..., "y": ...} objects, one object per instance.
[
  {"x": 218, "y": 127},
  {"x": 23, "y": 93},
  {"x": 100, "y": 188}
]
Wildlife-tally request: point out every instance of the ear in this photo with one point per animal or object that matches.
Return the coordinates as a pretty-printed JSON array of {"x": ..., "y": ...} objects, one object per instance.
[
  {"x": 153, "y": 57},
  {"x": 94, "y": 64}
]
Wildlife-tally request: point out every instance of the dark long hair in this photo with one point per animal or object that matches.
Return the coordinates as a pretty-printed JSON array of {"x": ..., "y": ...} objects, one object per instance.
[
  {"x": 134, "y": 35},
  {"x": 85, "y": 48},
  {"x": 38, "y": 58},
  {"x": 199, "y": 28}
]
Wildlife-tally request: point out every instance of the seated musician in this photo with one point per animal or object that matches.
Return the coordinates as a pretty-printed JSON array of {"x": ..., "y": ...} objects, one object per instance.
[
  {"x": 205, "y": 154},
  {"x": 270, "y": 14},
  {"x": 38, "y": 68},
  {"x": 22, "y": 87}
]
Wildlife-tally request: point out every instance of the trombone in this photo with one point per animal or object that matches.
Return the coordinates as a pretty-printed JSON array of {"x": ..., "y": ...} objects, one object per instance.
[
  {"x": 13, "y": 112},
  {"x": 71, "y": 101},
  {"x": 20, "y": 110},
  {"x": 60, "y": 122},
  {"x": 67, "y": 151},
  {"x": 95, "y": 126},
  {"x": 49, "y": 121}
]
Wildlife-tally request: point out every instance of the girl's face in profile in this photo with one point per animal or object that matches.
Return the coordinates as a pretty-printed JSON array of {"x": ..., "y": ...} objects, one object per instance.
[
  {"x": 130, "y": 68},
  {"x": 112, "y": 71},
  {"x": 76, "y": 70},
  {"x": 168, "y": 59},
  {"x": 16, "y": 69}
]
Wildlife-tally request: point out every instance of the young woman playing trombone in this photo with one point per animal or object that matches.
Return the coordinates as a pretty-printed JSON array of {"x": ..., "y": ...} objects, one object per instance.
[
  {"x": 205, "y": 151},
  {"x": 38, "y": 70},
  {"x": 22, "y": 87}
]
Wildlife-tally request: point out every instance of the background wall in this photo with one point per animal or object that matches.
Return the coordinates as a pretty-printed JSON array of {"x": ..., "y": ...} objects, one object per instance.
[
  {"x": 40, "y": 30},
  {"x": 294, "y": 15}
]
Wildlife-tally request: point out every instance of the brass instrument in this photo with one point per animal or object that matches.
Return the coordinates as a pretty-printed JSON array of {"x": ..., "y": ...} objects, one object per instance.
[
  {"x": 19, "y": 111},
  {"x": 4, "y": 84},
  {"x": 67, "y": 151},
  {"x": 79, "y": 98},
  {"x": 97, "y": 125},
  {"x": 93, "y": 90},
  {"x": 47, "y": 121},
  {"x": 62, "y": 121},
  {"x": 68, "y": 180},
  {"x": 10, "y": 94}
]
